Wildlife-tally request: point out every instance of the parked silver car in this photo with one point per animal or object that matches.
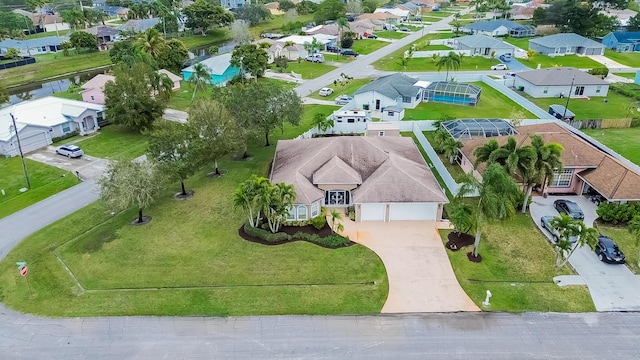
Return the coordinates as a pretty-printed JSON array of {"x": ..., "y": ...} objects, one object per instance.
[
  {"x": 70, "y": 151},
  {"x": 545, "y": 221},
  {"x": 343, "y": 100}
]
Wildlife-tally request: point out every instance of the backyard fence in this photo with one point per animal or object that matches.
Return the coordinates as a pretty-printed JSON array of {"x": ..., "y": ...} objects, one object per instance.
[
  {"x": 25, "y": 60},
  {"x": 600, "y": 123},
  {"x": 430, "y": 53}
]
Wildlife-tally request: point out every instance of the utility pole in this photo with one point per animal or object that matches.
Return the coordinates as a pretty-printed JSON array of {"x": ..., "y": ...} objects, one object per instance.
[
  {"x": 24, "y": 165},
  {"x": 573, "y": 79}
]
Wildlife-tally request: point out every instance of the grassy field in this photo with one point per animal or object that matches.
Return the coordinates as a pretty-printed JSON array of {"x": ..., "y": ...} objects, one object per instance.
[
  {"x": 616, "y": 106},
  {"x": 580, "y": 62},
  {"x": 72, "y": 95},
  {"x": 518, "y": 266},
  {"x": 623, "y": 141},
  {"x": 189, "y": 260},
  {"x": 181, "y": 99},
  {"x": 49, "y": 65},
  {"x": 367, "y": 46},
  {"x": 492, "y": 104},
  {"x": 629, "y": 58},
  {"x": 347, "y": 89},
  {"x": 627, "y": 243},
  {"x": 436, "y": 47},
  {"x": 390, "y": 34},
  {"x": 45, "y": 181},
  {"x": 626, "y": 75},
  {"x": 276, "y": 22},
  {"x": 212, "y": 37},
  {"x": 309, "y": 70},
  {"x": 114, "y": 142}
]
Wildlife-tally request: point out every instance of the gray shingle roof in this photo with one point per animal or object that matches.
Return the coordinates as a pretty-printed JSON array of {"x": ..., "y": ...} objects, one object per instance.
[
  {"x": 482, "y": 41},
  {"x": 568, "y": 39},
  {"x": 33, "y": 43},
  {"x": 139, "y": 25},
  {"x": 392, "y": 86},
  {"x": 492, "y": 25},
  {"x": 559, "y": 76}
]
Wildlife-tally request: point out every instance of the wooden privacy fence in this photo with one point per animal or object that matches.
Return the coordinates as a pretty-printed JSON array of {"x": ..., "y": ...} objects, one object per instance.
[{"x": 600, "y": 123}]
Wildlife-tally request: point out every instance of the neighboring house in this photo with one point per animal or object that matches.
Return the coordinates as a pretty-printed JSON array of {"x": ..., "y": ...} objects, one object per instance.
[
  {"x": 273, "y": 8},
  {"x": 566, "y": 44},
  {"x": 173, "y": 77},
  {"x": 362, "y": 26},
  {"x": 500, "y": 28},
  {"x": 293, "y": 52},
  {"x": 219, "y": 67},
  {"x": 402, "y": 14},
  {"x": 553, "y": 82},
  {"x": 390, "y": 90},
  {"x": 43, "y": 21},
  {"x": 482, "y": 45},
  {"x": 93, "y": 90},
  {"x": 623, "y": 15},
  {"x": 382, "y": 129},
  {"x": 385, "y": 178},
  {"x": 392, "y": 113},
  {"x": 113, "y": 11},
  {"x": 381, "y": 16},
  {"x": 31, "y": 47},
  {"x": 323, "y": 39},
  {"x": 105, "y": 35},
  {"x": 40, "y": 120},
  {"x": 140, "y": 25},
  {"x": 233, "y": 4},
  {"x": 586, "y": 168},
  {"x": 622, "y": 41},
  {"x": 330, "y": 29}
]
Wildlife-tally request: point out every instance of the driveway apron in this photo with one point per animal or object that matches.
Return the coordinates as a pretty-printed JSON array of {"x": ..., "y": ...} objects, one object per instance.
[
  {"x": 420, "y": 275},
  {"x": 89, "y": 167}
]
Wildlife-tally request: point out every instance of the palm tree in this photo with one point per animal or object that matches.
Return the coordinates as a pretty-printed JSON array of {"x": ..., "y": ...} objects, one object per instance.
[
  {"x": 517, "y": 160},
  {"x": 199, "y": 78},
  {"x": 567, "y": 228},
  {"x": 497, "y": 197},
  {"x": 248, "y": 196},
  {"x": 547, "y": 160},
  {"x": 336, "y": 217},
  {"x": 100, "y": 16},
  {"x": 322, "y": 122},
  {"x": 289, "y": 44},
  {"x": 450, "y": 61},
  {"x": 162, "y": 86},
  {"x": 450, "y": 148},
  {"x": 280, "y": 201},
  {"x": 439, "y": 137},
  {"x": 461, "y": 215},
  {"x": 483, "y": 153},
  {"x": 150, "y": 42},
  {"x": 342, "y": 23}
]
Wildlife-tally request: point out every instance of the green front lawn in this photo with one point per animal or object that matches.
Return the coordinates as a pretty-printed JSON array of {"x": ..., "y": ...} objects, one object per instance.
[
  {"x": 435, "y": 47},
  {"x": 627, "y": 243},
  {"x": 346, "y": 89},
  {"x": 309, "y": 70},
  {"x": 49, "y": 65},
  {"x": 189, "y": 260},
  {"x": 628, "y": 58},
  {"x": 212, "y": 37},
  {"x": 392, "y": 63},
  {"x": 45, "y": 181},
  {"x": 390, "y": 34},
  {"x": 616, "y": 106},
  {"x": 628, "y": 75},
  {"x": 431, "y": 19},
  {"x": 518, "y": 266},
  {"x": 367, "y": 46},
  {"x": 623, "y": 141},
  {"x": 114, "y": 142},
  {"x": 181, "y": 99},
  {"x": 580, "y": 62},
  {"x": 492, "y": 104}
]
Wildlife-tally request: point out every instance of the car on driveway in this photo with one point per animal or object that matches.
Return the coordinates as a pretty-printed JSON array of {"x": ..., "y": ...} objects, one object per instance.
[
  {"x": 608, "y": 251},
  {"x": 325, "y": 91},
  {"x": 70, "y": 151},
  {"x": 343, "y": 99},
  {"x": 500, "y": 67},
  {"x": 505, "y": 57},
  {"x": 333, "y": 49},
  {"x": 348, "y": 52},
  {"x": 569, "y": 207},
  {"x": 545, "y": 221},
  {"x": 404, "y": 29},
  {"x": 369, "y": 36}
]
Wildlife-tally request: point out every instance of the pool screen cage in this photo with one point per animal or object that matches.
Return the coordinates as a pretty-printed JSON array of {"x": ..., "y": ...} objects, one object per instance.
[
  {"x": 452, "y": 93},
  {"x": 469, "y": 128}
]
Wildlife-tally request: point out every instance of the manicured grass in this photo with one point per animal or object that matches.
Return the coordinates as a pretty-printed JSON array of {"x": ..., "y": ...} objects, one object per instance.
[
  {"x": 623, "y": 141},
  {"x": 309, "y": 70},
  {"x": 580, "y": 62},
  {"x": 73, "y": 95},
  {"x": 518, "y": 266},
  {"x": 346, "y": 89},
  {"x": 431, "y": 19},
  {"x": 287, "y": 84},
  {"x": 115, "y": 142},
  {"x": 435, "y": 47},
  {"x": 492, "y": 104},
  {"x": 626, "y": 75},
  {"x": 616, "y": 107},
  {"x": 276, "y": 22},
  {"x": 212, "y": 37},
  {"x": 45, "y": 181},
  {"x": 48, "y": 34},
  {"x": 628, "y": 58},
  {"x": 390, "y": 34},
  {"x": 626, "y": 242},
  {"x": 367, "y": 46},
  {"x": 522, "y": 43},
  {"x": 49, "y": 65},
  {"x": 428, "y": 64},
  {"x": 181, "y": 99},
  {"x": 191, "y": 258}
]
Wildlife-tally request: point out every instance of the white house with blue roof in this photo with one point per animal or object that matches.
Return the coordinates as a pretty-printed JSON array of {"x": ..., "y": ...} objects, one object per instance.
[
  {"x": 395, "y": 90},
  {"x": 566, "y": 44},
  {"x": 622, "y": 41},
  {"x": 500, "y": 28},
  {"x": 32, "y": 47},
  {"x": 482, "y": 45}
]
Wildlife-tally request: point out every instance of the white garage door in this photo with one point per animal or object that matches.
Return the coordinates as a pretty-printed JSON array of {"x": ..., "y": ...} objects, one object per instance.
[
  {"x": 413, "y": 211},
  {"x": 33, "y": 141},
  {"x": 373, "y": 212}
]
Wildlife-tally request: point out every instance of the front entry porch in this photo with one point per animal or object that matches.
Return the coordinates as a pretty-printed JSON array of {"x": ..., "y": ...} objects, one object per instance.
[{"x": 88, "y": 125}]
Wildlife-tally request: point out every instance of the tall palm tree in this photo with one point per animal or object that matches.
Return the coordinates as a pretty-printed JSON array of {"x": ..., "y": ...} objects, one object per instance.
[
  {"x": 547, "y": 160},
  {"x": 162, "y": 86},
  {"x": 497, "y": 197},
  {"x": 199, "y": 78},
  {"x": 280, "y": 201},
  {"x": 483, "y": 153},
  {"x": 322, "y": 122},
  {"x": 289, "y": 44},
  {"x": 248, "y": 196},
  {"x": 450, "y": 148},
  {"x": 100, "y": 16},
  {"x": 567, "y": 228},
  {"x": 516, "y": 159},
  {"x": 150, "y": 42},
  {"x": 449, "y": 61},
  {"x": 342, "y": 23}
]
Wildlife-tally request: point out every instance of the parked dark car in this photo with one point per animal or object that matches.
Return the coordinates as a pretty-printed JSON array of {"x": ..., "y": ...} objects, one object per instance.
[
  {"x": 333, "y": 48},
  {"x": 348, "y": 52},
  {"x": 608, "y": 251},
  {"x": 570, "y": 208}
]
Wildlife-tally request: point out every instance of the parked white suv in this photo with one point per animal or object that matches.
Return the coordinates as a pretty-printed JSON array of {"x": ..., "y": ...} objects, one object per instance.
[
  {"x": 500, "y": 67},
  {"x": 70, "y": 151},
  {"x": 325, "y": 91},
  {"x": 317, "y": 58}
]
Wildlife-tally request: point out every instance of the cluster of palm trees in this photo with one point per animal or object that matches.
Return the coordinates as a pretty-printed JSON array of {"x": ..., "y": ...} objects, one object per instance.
[
  {"x": 445, "y": 144},
  {"x": 261, "y": 198},
  {"x": 83, "y": 18}
]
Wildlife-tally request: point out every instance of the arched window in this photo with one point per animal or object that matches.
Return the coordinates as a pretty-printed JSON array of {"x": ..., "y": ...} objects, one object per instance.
[{"x": 302, "y": 212}]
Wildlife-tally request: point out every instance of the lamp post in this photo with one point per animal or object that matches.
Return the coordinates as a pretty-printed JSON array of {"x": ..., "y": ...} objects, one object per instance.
[
  {"x": 24, "y": 165},
  {"x": 573, "y": 79}
]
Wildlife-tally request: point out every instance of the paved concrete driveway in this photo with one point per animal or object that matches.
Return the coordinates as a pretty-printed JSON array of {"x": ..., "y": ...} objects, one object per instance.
[
  {"x": 420, "y": 275},
  {"x": 612, "y": 287},
  {"x": 89, "y": 167}
]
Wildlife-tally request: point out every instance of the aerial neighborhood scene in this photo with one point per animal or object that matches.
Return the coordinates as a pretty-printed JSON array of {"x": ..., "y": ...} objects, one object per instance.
[{"x": 305, "y": 178}]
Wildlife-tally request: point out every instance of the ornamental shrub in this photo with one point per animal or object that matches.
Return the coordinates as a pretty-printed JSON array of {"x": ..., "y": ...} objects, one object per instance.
[
  {"x": 615, "y": 213},
  {"x": 319, "y": 222},
  {"x": 266, "y": 235}
]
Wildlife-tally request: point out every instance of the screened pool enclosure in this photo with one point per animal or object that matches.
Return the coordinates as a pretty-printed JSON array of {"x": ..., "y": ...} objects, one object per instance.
[
  {"x": 469, "y": 128},
  {"x": 452, "y": 93}
]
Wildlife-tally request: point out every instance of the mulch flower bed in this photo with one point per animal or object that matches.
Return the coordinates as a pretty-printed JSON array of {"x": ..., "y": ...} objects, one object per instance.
[
  {"x": 458, "y": 240},
  {"x": 292, "y": 230}
]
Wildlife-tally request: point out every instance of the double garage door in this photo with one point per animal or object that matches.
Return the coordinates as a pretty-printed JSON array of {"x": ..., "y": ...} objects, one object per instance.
[{"x": 398, "y": 211}]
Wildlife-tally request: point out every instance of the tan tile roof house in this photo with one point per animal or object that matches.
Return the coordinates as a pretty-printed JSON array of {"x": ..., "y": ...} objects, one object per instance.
[
  {"x": 586, "y": 168},
  {"x": 384, "y": 178}
]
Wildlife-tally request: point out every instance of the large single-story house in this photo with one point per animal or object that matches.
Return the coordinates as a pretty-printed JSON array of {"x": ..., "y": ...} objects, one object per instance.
[
  {"x": 382, "y": 16},
  {"x": 622, "y": 15},
  {"x": 32, "y": 47},
  {"x": 44, "y": 21},
  {"x": 139, "y": 25},
  {"x": 566, "y": 44},
  {"x": 482, "y": 45},
  {"x": 323, "y": 39},
  {"x": 40, "y": 120},
  {"x": 93, "y": 90},
  {"x": 385, "y": 178},
  {"x": 389, "y": 90},
  {"x": 219, "y": 67},
  {"x": 105, "y": 35},
  {"x": 586, "y": 168},
  {"x": 553, "y": 82},
  {"x": 500, "y": 28},
  {"x": 401, "y": 13},
  {"x": 622, "y": 41}
]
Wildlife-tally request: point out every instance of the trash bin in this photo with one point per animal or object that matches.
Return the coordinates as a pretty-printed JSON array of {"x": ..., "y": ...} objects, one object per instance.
[{"x": 365, "y": 106}]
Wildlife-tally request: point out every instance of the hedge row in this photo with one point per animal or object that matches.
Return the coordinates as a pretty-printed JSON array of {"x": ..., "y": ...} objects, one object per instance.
[
  {"x": 332, "y": 241},
  {"x": 615, "y": 213}
]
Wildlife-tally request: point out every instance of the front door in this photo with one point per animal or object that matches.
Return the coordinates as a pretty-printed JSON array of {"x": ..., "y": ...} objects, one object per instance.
[
  {"x": 377, "y": 104},
  {"x": 579, "y": 90},
  {"x": 337, "y": 198}
]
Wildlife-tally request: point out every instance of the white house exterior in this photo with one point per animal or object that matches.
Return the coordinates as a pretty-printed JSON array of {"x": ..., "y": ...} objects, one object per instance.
[
  {"x": 403, "y": 14},
  {"x": 390, "y": 90},
  {"x": 30, "y": 47},
  {"x": 482, "y": 45},
  {"x": 357, "y": 119},
  {"x": 566, "y": 44},
  {"x": 39, "y": 121},
  {"x": 552, "y": 82},
  {"x": 392, "y": 113}
]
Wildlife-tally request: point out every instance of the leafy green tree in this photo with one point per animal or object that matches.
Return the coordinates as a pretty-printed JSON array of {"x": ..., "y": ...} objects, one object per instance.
[
  {"x": 82, "y": 39},
  {"x": 218, "y": 132},
  {"x": 248, "y": 197},
  {"x": 11, "y": 21},
  {"x": 322, "y": 122},
  {"x": 34, "y": 4},
  {"x": 305, "y": 7},
  {"x": 100, "y": 16},
  {"x": 202, "y": 15},
  {"x": 634, "y": 227},
  {"x": 250, "y": 59},
  {"x": 253, "y": 14},
  {"x": 12, "y": 53},
  {"x": 285, "y": 5},
  {"x": 122, "y": 50},
  {"x": 329, "y": 10},
  {"x": 497, "y": 198},
  {"x": 174, "y": 148},
  {"x": 346, "y": 42},
  {"x": 73, "y": 17},
  {"x": 173, "y": 56},
  {"x": 568, "y": 228},
  {"x": 634, "y": 23},
  {"x": 449, "y": 61},
  {"x": 483, "y": 153},
  {"x": 66, "y": 46},
  {"x": 281, "y": 63},
  {"x": 199, "y": 78},
  {"x": 369, "y": 6},
  {"x": 129, "y": 101},
  {"x": 130, "y": 183}
]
